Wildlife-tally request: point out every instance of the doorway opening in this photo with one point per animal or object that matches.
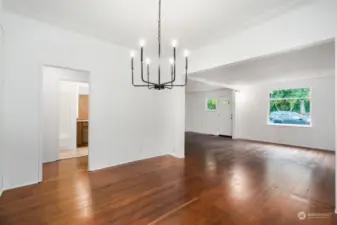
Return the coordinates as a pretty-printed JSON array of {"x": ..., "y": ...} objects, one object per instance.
[
  {"x": 73, "y": 119},
  {"x": 225, "y": 116},
  {"x": 64, "y": 126}
]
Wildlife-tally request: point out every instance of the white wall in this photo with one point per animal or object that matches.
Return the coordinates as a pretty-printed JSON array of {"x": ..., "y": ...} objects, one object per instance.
[
  {"x": 253, "y": 108},
  {"x": 2, "y": 133},
  {"x": 335, "y": 124},
  {"x": 135, "y": 114},
  {"x": 174, "y": 121},
  {"x": 197, "y": 118}
]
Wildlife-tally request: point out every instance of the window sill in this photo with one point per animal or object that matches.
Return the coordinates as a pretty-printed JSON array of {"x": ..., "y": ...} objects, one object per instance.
[{"x": 289, "y": 125}]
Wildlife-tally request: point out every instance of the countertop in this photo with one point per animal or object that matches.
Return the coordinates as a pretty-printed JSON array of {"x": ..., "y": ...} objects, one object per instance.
[{"x": 82, "y": 121}]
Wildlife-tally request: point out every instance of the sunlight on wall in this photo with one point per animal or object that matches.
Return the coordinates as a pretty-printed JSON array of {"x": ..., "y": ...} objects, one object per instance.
[{"x": 240, "y": 96}]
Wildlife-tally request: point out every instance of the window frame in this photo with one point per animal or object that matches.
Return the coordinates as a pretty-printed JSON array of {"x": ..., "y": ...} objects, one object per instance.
[{"x": 289, "y": 125}]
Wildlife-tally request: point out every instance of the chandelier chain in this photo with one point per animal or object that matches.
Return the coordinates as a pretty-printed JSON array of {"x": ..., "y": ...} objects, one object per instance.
[{"x": 159, "y": 31}]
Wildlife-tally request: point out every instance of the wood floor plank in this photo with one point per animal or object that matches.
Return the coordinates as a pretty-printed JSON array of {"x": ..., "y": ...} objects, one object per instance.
[{"x": 221, "y": 181}]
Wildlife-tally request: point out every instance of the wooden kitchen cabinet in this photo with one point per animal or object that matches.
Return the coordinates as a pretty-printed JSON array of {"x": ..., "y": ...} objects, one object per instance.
[
  {"x": 83, "y": 107},
  {"x": 82, "y": 133}
]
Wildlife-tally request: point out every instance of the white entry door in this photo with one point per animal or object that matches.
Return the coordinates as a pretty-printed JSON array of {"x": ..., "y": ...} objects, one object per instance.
[{"x": 225, "y": 117}]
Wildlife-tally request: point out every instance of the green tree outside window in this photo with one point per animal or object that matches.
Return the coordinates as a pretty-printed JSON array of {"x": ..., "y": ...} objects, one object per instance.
[
  {"x": 290, "y": 106},
  {"x": 211, "y": 104}
]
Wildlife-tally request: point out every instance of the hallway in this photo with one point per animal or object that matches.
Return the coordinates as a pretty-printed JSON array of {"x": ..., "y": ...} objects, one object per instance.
[{"x": 79, "y": 152}]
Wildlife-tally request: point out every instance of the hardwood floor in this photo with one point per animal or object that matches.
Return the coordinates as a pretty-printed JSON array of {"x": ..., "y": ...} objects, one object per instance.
[
  {"x": 68, "y": 154},
  {"x": 220, "y": 181}
]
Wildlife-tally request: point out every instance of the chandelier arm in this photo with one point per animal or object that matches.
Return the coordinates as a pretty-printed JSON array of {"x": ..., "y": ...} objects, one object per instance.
[
  {"x": 181, "y": 85},
  {"x": 159, "y": 77},
  {"x": 170, "y": 82},
  {"x": 133, "y": 80},
  {"x": 173, "y": 69},
  {"x": 169, "y": 86},
  {"x": 139, "y": 85},
  {"x": 147, "y": 82},
  {"x": 172, "y": 77},
  {"x": 173, "y": 73},
  {"x": 142, "y": 68},
  {"x": 148, "y": 76}
]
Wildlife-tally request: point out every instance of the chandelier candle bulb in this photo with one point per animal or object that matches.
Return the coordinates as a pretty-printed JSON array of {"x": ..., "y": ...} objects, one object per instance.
[
  {"x": 174, "y": 43},
  {"x": 186, "y": 53},
  {"x": 132, "y": 54}
]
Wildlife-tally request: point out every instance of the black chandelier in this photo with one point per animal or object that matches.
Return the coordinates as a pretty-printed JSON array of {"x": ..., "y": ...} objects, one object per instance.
[{"x": 165, "y": 85}]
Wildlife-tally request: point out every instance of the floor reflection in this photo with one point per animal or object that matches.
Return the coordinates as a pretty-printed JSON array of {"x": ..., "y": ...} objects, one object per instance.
[{"x": 220, "y": 181}]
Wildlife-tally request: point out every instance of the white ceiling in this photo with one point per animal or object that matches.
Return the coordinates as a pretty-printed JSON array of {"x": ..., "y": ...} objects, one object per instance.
[
  {"x": 201, "y": 85},
  {"x": 313, "y": 61},
  {"x": 193, "y": 22}
]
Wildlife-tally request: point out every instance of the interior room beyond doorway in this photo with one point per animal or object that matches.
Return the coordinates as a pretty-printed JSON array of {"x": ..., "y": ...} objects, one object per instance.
[{"x": 73, "y": 119}]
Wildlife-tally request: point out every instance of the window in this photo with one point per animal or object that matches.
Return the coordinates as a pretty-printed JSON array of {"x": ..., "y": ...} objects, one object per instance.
[
  {"x": 211, "y": 104},
  {"x": 290, "y": 107}
]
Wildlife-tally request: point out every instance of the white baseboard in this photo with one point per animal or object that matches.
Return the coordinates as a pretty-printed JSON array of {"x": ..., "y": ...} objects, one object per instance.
[
  {"x": 177, "y": 156},
  {"x": 285, "y": 144},
  {"x": 19, "y": 185},
  {"x": 124, "y": 162},
  {"x": 198, "y": 132}
]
